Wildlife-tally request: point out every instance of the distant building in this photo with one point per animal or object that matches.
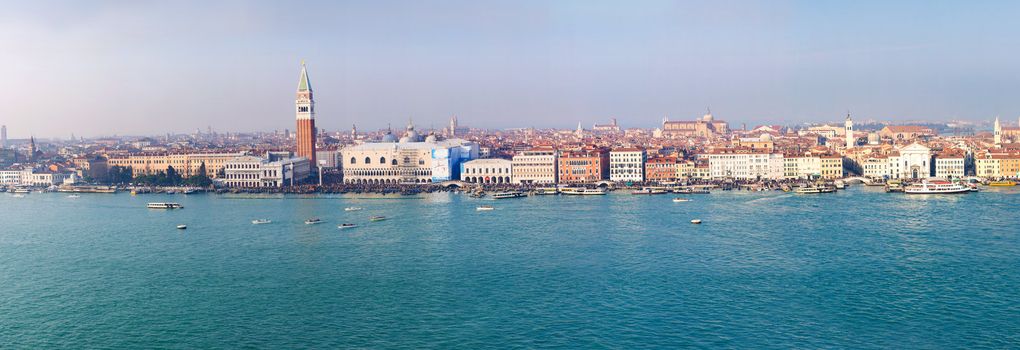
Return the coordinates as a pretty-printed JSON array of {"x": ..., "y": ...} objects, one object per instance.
[
  {"x": 252, "y": 171},
  {"x": 611, "y": 128},
  {"x": 407, "y": 161},
  {"x": 707, "y": 126},
  {"x": 746, "y": 165},
  {"x": 661, "y": 169},
  {"x": 905, "y": 132}
]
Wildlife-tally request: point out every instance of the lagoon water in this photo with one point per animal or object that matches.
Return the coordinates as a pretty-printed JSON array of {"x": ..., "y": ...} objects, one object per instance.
[{"x": 856, "y": 269}]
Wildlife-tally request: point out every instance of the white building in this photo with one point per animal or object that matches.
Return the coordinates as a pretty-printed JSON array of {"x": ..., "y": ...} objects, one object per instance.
[
  {"x": 950, "y": 165},
  {"x": 748, "y": 166},
  {"x": 876, "y": 167},
  {"x": 802, "y": 167},
  {"x": 627, "y": 164},
  {"x": 912, "y": 162},
  {"x": 535, "y": 166},
  {"x": 408, "y": 161},
  {"x": 489, "y": 171},
  {"x": 252, "y": 171}
]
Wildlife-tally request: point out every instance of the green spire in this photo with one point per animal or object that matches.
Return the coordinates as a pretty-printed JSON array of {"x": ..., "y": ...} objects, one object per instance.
[{"x": 304, "y": 84}]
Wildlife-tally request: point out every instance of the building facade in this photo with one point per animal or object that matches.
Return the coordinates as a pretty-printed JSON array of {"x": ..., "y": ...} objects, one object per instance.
[
  {"x": 487, "y": 171},
  {"x": 588, "y": 164},
  {"x": 407, "y": 161},
  {"x": 535, "y": 166},
  {"x": 627, "y": 165}
]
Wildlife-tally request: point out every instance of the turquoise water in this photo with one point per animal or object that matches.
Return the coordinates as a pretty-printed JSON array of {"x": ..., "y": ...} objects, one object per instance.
[{"x": 856, "y": 269}]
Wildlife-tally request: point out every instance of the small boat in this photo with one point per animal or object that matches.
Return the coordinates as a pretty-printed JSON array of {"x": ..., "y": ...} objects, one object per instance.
[
  {"x": 353, "y": 209},
  {"x": 935, "y": 187},
  {"x": 680, "y": 200},
  {"x": 377, "y": 218},
  {"x": 973, "y": 187},
  {"x": 73, "y": 196},
  {"x": 182, "y": 227},
  {"x": 816, "y": 189},
  {"x": 261, "y": 221},
  {"x": 313, "y": 221},
  {"x": 160, "y": 205},
  {"x": 484, "y": 208},
  {"x": 1005, "y": 183},
  {"x": 346, "y": 226},
  {"x": 840, "y": 184},
  {"x": 696, "y": 221},
  {"x": 18, "y": 195},
  {"x": 691, "y": 191}
]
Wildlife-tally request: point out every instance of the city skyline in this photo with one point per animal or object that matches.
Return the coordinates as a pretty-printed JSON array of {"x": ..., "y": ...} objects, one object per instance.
[{"x": 142, "y": 69}]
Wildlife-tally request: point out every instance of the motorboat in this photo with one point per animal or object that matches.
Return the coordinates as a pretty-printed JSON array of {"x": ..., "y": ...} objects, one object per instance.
[
  {"x": 485, "y": 208},
  {"x": 839, "y": 184},
  {"x": 680, "y": 200},
  {"x": 18, "y": 195},
  {"x": 935, "y": 187},
  {"x": 1005, "y": 183},
  {"x": 816, "y": 189},
  {"x": 162, "y": 205},
  {"x": 73, "y": 196},
  {"x": 508, "y": 194},
  {"x": 696, "y": 221},
  {"x": 353, "y": 209},
  {"x": 377, "y": 218},
  {"x": 313, "y": 221},
  {"x": 346, "y": 226},
  {"x": 261, "y": 221},
  {"x": 182, "y": 227}
]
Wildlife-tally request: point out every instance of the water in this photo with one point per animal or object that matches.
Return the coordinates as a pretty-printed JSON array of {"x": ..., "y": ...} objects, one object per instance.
[{"x": 856, "y": 269}]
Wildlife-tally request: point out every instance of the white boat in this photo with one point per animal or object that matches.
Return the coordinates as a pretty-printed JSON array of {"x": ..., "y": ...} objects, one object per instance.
[
  {"x": 935, "y": 187},
  {"x": 377, "y": 218},
  {"x": 484, "y": 208},
  {"x": 839, "y": 184},
  {"x": 680, "y": 200},
  {"x": 18, "y": 195},
  {"x": 816, "y": 189},
  {"x": 22, "y": 190},
  {"x": 161, "y": 205},
  {"x": 696, "y": 221},
  {"x": 182, "y": 227},
  {"x": 509, "y": 194},
  {"x": 650, "y": 190},
  {"x": 346, "y": 226},
  {"x": 73, "y": 196},
  {"x": 313, "y": 221},
  {"x": 546, "y": 191},
  {"x": 261, "y": 221},
  {"x": 353, "y": 209},
  {"x": 582, "y": 191}
]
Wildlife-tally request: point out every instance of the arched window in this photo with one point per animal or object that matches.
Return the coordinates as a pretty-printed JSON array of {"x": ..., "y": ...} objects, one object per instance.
[
  {"x": 382, "y": 160},
  {"x": 354, "y": 161},
  {"x": 368, "y": 160},
  {"x": 393, "y": 162}
]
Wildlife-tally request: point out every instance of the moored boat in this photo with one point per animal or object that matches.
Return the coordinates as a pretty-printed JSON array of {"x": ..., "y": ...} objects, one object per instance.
[
  {"x": 649, "y": 190},
  {"x": 935, "y": 187},
  {"x": 508, "y": 194},
  {"x": 815, "y": 189},
  {"x": 546, "y": 191},
  {"x": 1005, "y": 183}
]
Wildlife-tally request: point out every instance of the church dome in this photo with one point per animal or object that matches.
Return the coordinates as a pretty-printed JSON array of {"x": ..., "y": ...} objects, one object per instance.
[
  {"x": 389, "y": 138},
  {"x": 431, "y": 138},
  {"x": 707, "y": 117},
  {"x": 765, "y": 137}
]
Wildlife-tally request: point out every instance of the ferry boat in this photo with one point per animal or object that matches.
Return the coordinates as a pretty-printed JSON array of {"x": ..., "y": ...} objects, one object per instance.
[
  {"x": 377, "y": 218},
  {"x": 816, "y": 189},
  {"x": 22, "y": 190},
  {"x": 161, "y": 205},
  {"x": 353, "y": 209},
  {"x": 346, "y": 226},
  {"x": 313, "y": 221},
  {"x": 504, "y": 195},
  {"x": 583, "y": 191},
  {"x": 546, "y": 191},
  {"x": 261, "y": 221},
  {"x": 935, "y": 187},
  {"x": 893, "y": 186},
  {"x": 649, "y": 190},
  {"x": 680, "y": 200},
  {"x": 691, "y": 190},
  {"x": 1005, "y": 183},
  {"x": 484, "y": 208}
]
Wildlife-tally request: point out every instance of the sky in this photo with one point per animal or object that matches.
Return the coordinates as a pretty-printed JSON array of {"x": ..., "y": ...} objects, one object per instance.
[{"x": 96, "y": 68}]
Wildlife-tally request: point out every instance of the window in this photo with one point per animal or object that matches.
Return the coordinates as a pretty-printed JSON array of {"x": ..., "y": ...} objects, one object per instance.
[
  {"x": 368, "y": 160},
  {"x": 382, "y": 160},
  {"x": 353, "y": 161},
  {"x": 393, "y": 162}
]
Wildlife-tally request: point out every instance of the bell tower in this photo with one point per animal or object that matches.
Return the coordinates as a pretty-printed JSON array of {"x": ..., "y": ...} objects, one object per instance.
[{"x": 305, "y": 111}]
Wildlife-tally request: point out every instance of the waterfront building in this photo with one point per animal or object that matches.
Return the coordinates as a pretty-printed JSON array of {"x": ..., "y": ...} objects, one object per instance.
[
  {"x": 407, "y": 161},
  {"x": 535, "y": 166},
  {"x": 328, "y": 159},
  {"x": 876, "y": 167},
  {"x": 627, "y": 165},
  {"x": 988, "y": 166},
  {"x": 831, "y": 167},
  {"x": 186, "y": 164},
  {"x": 911, "y": 162},
  {"x": 707, "y": 127},
  {"x": 588, "y": 164},
  {"x": 950, "y": 164},
  {"x": 745, "y": 165},
  {"x": 487, "y": 171},
  {"x": 252, "y": 171},
  {"x": 661, "y": 169},
  {"x": 802, "y": 167},
  {"x": 305, "y": 111}
]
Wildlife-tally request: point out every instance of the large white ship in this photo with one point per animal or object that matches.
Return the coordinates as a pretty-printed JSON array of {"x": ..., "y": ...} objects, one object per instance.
[{"x": 935, "y": 187}]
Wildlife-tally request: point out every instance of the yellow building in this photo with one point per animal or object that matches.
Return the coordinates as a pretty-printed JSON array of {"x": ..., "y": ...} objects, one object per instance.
[
  {"x": 988, "y": 167},
  {"x": 832, "y": 167},
  {"x": 186, "y": 164}
]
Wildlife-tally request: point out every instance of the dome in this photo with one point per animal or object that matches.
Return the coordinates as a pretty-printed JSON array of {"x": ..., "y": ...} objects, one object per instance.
[
  {"x": 707, "y": 117},
  {"x": 411, "y": 136},
  {"x": 765, "y": 137},
  {"x": 405, "y": 139},
  {"x": 431, "y": 138},
  {"x": 389, "y": 138}
]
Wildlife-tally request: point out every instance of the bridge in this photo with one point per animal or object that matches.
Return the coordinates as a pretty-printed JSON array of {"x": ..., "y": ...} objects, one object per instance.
[{"x": 454, "y": 183}]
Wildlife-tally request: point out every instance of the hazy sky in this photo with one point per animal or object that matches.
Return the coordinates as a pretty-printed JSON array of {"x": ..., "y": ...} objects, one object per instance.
[{"x": 135, "y": 67}]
